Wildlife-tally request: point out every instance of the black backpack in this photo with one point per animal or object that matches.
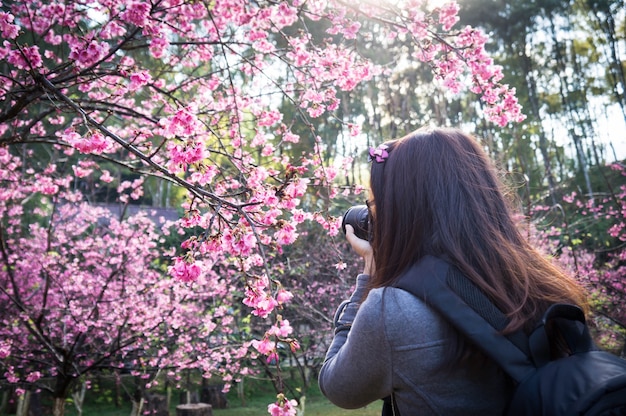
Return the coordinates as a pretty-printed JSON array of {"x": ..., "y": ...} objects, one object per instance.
[{"x": 588, "y": 382}]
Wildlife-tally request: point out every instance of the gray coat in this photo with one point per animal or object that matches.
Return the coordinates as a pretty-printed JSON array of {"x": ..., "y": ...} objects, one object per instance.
[{"x": 396, "y": 344}]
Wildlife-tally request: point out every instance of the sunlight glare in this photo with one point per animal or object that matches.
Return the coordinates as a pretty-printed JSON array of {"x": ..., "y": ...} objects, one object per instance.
[{"x": 428, "y": 4}]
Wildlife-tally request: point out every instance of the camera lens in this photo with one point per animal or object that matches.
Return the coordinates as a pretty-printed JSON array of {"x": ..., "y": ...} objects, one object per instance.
[{"x": 358, "y": 217}]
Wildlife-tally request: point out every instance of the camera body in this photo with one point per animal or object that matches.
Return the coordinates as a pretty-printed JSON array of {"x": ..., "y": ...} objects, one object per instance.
[{"x": 359, "y": 218}]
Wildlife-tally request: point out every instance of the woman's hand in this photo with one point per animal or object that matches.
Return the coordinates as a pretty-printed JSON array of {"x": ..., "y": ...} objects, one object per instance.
[{"x": 363, "y": 248}]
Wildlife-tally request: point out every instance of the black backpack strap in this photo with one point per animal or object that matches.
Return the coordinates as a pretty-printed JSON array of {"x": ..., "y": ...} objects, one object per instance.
[
  {"x": 444, "y": 288},
  {"x": 569, "y": 321}
]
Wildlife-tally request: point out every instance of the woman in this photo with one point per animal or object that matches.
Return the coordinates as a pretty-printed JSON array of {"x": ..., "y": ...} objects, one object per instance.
[{"x": 435, "y": 192}]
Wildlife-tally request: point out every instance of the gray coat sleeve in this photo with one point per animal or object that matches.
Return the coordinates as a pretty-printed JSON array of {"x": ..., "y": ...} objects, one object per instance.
[{"x": 357, "y": 369}]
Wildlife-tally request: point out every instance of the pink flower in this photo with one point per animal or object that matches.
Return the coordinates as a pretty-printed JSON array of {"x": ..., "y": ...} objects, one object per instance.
[
  {"x": 27, "y": 58},
  {"x": 46, "y": 186},
  {"x": 355, "y": 129},
  {"x": 283, "y": 296},
  {"x": 264, "y": 306},
  {"x": 93, "y": 143},
  {"x": 81, "y": 172},
  {"x": 286, "y": 234},
  {"x": 316, "y": 110},
  {"x": 294, "y": 345},
  {"x": 184, "y": 270},
  {"x": 5, "y": 349},
  {"x": 34, "y": 376},
  {"x": 258, "y": 298},
  {"x": 282, "y": 407},
  {"x": 272, "y": 358},
  {"x": 106, "y": 177},
  {"x": 7, "y": 28},
  {"x": 269, "y": 118},
  {"x": 448, "y": 15},
  {"x": 283, "y": 331},
  {"x": 291, "y": 138},
  {"x": 265, "y": 346},
  {"x": 158, "y": 46},
  {"x": 268, "y": 149},
  {"x": 87, "y": 55},
  {"x": 139, "y": 79},
  {"x": 136, "y": 13},
  {"x": 284, "y": 15},
  {"x": 239, "y": 241},
  {"x": 341, "y": 266},
  {"x": 183, "y": 123},
  {"x": 10, "y": 375}
]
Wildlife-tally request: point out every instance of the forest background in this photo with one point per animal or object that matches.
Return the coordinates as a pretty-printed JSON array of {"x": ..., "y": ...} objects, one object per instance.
[{"x": 173, "y": 173}]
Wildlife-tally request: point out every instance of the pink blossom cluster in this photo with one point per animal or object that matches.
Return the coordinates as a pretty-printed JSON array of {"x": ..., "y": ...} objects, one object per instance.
[
  {"x": 283, "y": 407},
  {"x": 183, "y": 123},
  {"x": 136, "y": 13},
  {"x": 139, "y": 79},
  {"x": 94, "y": 143},
  {"x": 8, "y": 29},
  {"x": 448, "y": 15},
  {"x": 105, "y": 294},
  {"x": 267, "y": 347},
  {"x": 601, "y": 271},
  {"x": 465, "y": 52},
  {"x": 130, "y": 189},
  {"x": 262, "y": 301},
  {"x": 87, "y": 53},
  {"x": 186, "y": 270},
  {"x": 24, "y": 58}
]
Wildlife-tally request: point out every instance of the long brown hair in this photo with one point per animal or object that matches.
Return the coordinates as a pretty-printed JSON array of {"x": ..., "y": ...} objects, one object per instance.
[{"x": 438, "y": 193}]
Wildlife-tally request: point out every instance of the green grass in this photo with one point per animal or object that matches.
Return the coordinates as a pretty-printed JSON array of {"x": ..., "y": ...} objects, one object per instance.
[
  {"x": 256, "y": 406},
  {"x": 313, "y": 408},
  {"x": 315, "y": 405},
  {"x": 257, "y": 397},
  {"x": 102, "y": 410}
]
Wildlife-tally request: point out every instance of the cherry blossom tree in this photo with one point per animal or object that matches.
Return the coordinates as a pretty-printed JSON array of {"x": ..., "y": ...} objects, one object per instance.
[
  {"x": 82, "y": 291},
  {"x": 188, "y": 92},
  {"x": 317, "y": 280},
  {"x": 587, "y": 237},
  {"x": 600, "y": 261}
]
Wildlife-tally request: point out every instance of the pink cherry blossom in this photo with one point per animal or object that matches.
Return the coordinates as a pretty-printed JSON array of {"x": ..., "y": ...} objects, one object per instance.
[
  {"x": 448, "y": 15},
  {"x": 282, "y": 407},
  {"x": 139, "y": 79},
  {"x": 186, "y": 271},
  {"x": 7, "y": 28},
  {"x": 136, "y": 13},
  {"x": 25, "y": 58}
]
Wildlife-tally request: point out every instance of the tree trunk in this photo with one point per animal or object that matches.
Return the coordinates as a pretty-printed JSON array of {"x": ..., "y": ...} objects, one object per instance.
[
  {"x": 79, "y": 398},
  {"x": 118, "y": 390},
  {"x": 241, "y": 392},
  {"x": 582, "y": 161},
  {"x": 543, "y": 141},
  {"x": 137, "y": 407},
  {"x": 615, "y": 70},
  {"x": 155, "y": 405},
  {"x": 22, "y": 404},
  {"x": 58, "y": 406},
  {"x": 4, "y": 403},
  {"x": 213, "y": 395}
]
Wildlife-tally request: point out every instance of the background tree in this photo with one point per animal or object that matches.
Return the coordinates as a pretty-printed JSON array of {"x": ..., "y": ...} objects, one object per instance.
[{"x": 84, "y": 292}]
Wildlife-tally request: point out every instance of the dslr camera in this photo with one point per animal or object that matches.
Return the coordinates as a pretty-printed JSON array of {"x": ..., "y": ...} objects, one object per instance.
[{"x": 359, "y": 218}]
